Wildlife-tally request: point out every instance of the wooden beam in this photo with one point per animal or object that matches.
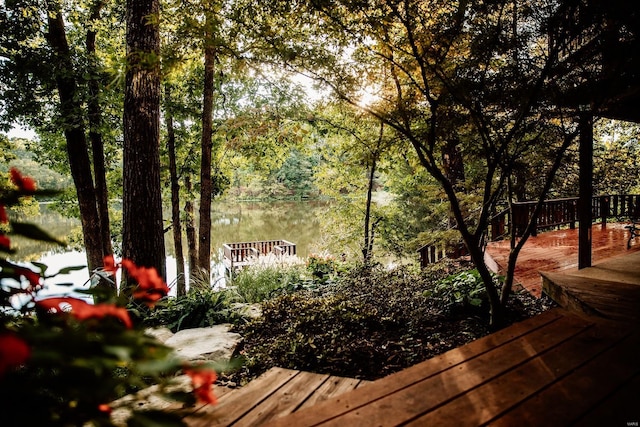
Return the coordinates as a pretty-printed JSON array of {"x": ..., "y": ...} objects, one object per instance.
[{"x": 586, "y": 189}]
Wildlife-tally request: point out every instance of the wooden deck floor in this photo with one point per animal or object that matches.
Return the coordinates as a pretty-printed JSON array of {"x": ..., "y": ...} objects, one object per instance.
[
  {"x": 276, "y": 393},
  {"x": 555, "y": 369},
  {"x": 557, "y": 251}
]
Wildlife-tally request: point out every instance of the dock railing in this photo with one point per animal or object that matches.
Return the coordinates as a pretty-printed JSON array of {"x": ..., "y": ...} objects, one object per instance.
[{"x": 241, "y": 254}]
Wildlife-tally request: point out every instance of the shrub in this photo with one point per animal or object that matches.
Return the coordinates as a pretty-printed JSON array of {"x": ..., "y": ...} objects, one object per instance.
[
  {"x": 463, "y": 289},
  {"x": 198, "y": 309},
  {"x": 369, "y": 324},
  {"x": 260, "y": 282}
]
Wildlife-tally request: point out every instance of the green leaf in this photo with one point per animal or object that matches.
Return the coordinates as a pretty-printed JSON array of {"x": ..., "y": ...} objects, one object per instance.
[
  {"x": 34, "y": 232},
  {"x": 68, "y": 270}
]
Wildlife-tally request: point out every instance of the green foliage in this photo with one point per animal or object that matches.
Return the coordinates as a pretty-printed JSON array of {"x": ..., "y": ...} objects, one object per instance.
[
  {"x": 321, "y": 267},
  {"x": 69, "y": 356},
  {"x": 197, "y": 309},
  {"x": 336, "y": 325},
  {"x": 260, "y": 282},
  {"x": 465, "y": 288},
  {"x": 76, "y": 366}
]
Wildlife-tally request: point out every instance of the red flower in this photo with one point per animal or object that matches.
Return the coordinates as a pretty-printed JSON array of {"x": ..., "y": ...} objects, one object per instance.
[
  {"x": 13, "y": 351},
  {"x": 150, "y": 287},
  {"x": 110, "y": 264},
  {"x": 202, "y": 380},
  {"x": 82, "y": 310},
  {"x": 4, "y": 218},
  {"x": 24, "y": 183},
  {"x": 5, "y": 243}
]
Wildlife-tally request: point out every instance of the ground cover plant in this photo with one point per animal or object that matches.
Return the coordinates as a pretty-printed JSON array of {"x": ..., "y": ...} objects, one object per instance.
[{"x": 369, "y": 324}]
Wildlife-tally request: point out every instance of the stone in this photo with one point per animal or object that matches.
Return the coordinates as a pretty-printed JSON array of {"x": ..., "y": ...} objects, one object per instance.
[
  {"x": 162, "y": 334},
  {"x": 250, "y": 311},
  {"x": 211, "y": 343}
]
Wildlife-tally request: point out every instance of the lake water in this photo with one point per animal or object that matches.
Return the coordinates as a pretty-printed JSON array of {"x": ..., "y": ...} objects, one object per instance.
[{"x": 297, "y": 222}]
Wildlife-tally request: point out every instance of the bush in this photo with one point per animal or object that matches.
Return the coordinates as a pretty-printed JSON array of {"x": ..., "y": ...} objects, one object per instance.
[
  {"x": 367, "y": 325},
  {"x": 63, "y": 360},
  {"x": 461, "y": 290},
  {"x": 198, "y": 309},
  {"x": 257, "y": 283}
]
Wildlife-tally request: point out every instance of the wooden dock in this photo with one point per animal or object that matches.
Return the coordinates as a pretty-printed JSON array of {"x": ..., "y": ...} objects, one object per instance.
[{"x": 242, "y": 254}]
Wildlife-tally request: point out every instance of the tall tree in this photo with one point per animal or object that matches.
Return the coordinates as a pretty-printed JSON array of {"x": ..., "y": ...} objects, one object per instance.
[
  {"x": 473, "y": 72},
  {"x": 143, "y": 234},
  {"x": 206, "y": 182},
  {"x": 53, "y": 81},
  {"x": 94, "y": 115},
  {"x": 176, "y": 223},
  {"x": 75, "y": 134}
]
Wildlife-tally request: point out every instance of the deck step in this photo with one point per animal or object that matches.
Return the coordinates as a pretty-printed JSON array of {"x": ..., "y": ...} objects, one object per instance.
[{"x": 608, "y": 299}]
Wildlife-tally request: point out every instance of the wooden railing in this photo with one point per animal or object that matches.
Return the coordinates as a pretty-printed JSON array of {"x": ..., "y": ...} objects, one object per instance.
[
  {"x": 563, "y": 212},
  {"x": 244, "y": 253},
  {"x": 554, "y": 213}
]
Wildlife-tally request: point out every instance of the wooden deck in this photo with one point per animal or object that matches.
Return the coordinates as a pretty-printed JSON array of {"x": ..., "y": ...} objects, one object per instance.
[
  {"x": 241, "y": 254},
  {"x": 554, "y": 369},
  {"x": 557, "y": 251}
]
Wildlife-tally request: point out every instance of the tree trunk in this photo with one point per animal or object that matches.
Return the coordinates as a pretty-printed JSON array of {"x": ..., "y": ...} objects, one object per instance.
[
  {"x": 95, "y": 136},
  {"x": 206, "y": 183},
  {"x": 74, "y": 132},
  {"x": 175, "y": 196},
  {"x": 143, "y": 234},
  {"x": 190, "y": 226}
]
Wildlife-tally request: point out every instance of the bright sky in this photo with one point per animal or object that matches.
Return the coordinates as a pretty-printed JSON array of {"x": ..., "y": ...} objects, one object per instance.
[{"x": 18, "y": 132}]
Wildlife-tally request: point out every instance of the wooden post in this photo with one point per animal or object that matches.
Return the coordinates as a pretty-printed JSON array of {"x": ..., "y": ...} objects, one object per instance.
[
  {"x": 586, "y": 188},
  {"x": 605, "y": 207}
]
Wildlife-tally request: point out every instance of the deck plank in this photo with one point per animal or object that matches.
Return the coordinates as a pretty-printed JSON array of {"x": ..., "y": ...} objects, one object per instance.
[
  {"x": 285, "y": 400},
  {"x": 416, "y": 390},
  {"x": 585, "y": 388},
  {"x": 619, "y": 409},
  {"x": 334, "y": 386},
  {"x": 484, "y": 403},
  {"x": 233, "y": 406}
]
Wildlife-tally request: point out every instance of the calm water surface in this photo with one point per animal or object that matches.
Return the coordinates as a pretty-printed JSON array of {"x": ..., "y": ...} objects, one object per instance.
[{"x": 297, "y": 222}]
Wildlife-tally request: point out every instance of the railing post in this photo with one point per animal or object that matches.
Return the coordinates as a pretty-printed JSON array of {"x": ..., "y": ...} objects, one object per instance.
[{"x": 604, "y": 209}]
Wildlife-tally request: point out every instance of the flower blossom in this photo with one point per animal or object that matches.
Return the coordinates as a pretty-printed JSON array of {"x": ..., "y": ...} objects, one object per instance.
[
  {"x": 151, "y": 287},
  {"x": 202, "y": 380},
  {"x": 82, "y": 310},
  {"x": 23, "y": 183},
  {"x": 109, "y": 264},
  {"x": 13, "y": 351}
]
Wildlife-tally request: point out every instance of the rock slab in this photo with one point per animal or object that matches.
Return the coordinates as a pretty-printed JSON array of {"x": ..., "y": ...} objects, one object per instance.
[{"x": 211, "y": 343}]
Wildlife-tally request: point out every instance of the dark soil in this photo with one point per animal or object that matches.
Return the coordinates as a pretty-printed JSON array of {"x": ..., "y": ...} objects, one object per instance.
[{"x": 369, "y": 325}]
